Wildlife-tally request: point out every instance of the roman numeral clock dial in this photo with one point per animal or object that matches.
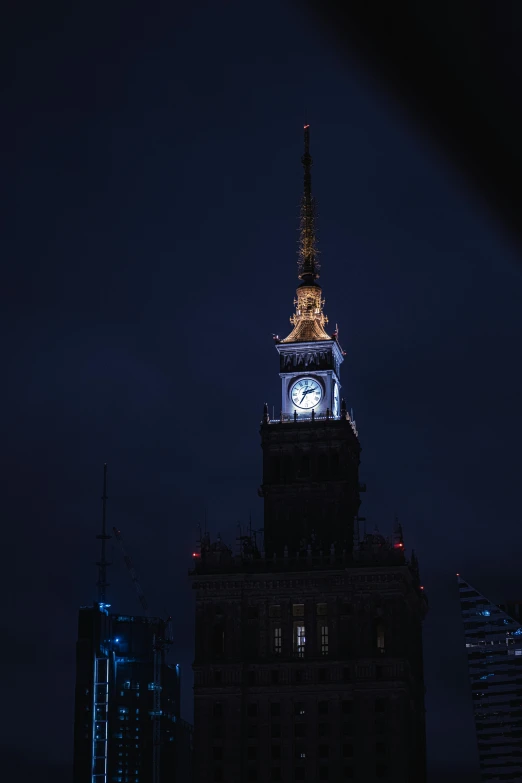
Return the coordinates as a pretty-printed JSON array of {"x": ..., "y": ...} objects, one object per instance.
[{"x": 306, "y": 393}]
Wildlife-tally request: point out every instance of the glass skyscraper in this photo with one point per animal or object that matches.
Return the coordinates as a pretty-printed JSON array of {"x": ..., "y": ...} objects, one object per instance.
[{"x": 493, "y": 637}]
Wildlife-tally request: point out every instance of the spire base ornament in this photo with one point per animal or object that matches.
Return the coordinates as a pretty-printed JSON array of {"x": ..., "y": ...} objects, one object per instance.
[{"x": 309, "y": 319}]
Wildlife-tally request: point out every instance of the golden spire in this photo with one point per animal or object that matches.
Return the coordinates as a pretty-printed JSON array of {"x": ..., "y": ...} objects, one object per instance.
[
  {"x": 308, "y": 262},
  {"x": 308, "y": 320}
]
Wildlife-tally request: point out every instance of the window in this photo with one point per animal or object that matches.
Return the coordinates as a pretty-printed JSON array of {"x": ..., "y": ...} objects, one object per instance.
[
  {"x": 251, "y": 678},
  {"x": 217, "y": 677},
  {"x": 298, "y": 610},
  {"x": 381, "y": 770},
  {"x": 299, "y": 639},
  {"x": 322, "y": 708},
  {"x": 298, "y": 676},
  {"x": 323, "y": 675},
  {"x": 276, "y": 773},
  {"x": 380, "y": 705},
  {"x": 252, "y": 774},
  {"x": 300, "y": 753},
  {"x": 218, "y": 753},
  {"x": 348, "y": 773},
  {"x": 218, "y": 774},
  {"x": 346, "y": 608},
  {"x": 324, "y": 640},
  {"x": 274, "y": 611},
  {"x": 218, "y": 640},
  {"x": 276, "y": 751},
  {"x": 252, "y": 710},
  {"x": 275, "y": 676},
  {"x": 380, "y": 637},
  {"x": 347, "y": 706},
  {"x": 299, "y": 708},
  {"x": 275, "y": 709},
  {"x": 277, "y": 640},
  {"x": 380, "y": 748},
  {"x": 347, "y": 750},
  {"x": 299, "y": 773},
  {"x": 323, "y": 773},
  {"x": 324, "y": 729},
  {"x": 252, "y": 613},
  {"x": 322, "y": 609},
  {"x": 323, "y": 751},
  {"x": 276, "y": 730},
  {"x": 299, "y": 729},
  {"x": 251, "y": 753},
  {"x": 346, "y": 674},
  {"x": 252, "y": 731}
]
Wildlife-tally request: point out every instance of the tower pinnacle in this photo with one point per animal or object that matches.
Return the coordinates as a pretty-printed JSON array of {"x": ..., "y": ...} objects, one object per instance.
[
  {"x": 308, "y": 262},
  {"x": 309, "y": 319}
]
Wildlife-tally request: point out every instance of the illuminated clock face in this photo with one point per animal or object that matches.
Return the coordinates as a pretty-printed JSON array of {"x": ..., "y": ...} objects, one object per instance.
[
  {"x": 306, "y": 393},
  {"x": 336, "y": 400}
]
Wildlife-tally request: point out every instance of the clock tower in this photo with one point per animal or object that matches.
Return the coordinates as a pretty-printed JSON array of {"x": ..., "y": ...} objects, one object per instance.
[
  {"x": 308, "y": 641},
  {"x": 311, "y": 454}
]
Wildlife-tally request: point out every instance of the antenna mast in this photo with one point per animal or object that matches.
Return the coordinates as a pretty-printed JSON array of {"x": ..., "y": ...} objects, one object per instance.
[{"x": 102, "y": 564}]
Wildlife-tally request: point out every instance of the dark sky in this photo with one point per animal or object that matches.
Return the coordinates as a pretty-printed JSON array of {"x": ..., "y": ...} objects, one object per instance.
[{"x": 157, "y": 178}]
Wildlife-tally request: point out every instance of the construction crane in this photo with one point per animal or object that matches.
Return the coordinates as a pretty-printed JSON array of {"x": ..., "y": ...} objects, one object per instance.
[{"x": 160, "y": 641}]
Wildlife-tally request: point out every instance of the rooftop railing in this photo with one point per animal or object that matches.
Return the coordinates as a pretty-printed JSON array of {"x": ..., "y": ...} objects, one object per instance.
[{"x": 303, "y": 418}]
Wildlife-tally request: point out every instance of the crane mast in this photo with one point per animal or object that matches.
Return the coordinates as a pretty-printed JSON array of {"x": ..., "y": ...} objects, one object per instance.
[{"x": 159, "y": 642}]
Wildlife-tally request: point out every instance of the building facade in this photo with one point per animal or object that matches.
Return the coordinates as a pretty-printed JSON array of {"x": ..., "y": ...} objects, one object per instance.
[
  {"x": 308, "y": 657},
  {"x": 127, "y": 702},
  {"x": 493, "y": 637}
]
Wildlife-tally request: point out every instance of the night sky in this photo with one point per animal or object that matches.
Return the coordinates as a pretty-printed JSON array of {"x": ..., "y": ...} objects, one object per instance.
[{"x": 156, "y": 179}]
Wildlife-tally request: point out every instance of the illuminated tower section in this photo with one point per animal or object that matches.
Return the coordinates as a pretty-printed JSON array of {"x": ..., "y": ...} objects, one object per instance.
[{"x": 311, "y": 454}]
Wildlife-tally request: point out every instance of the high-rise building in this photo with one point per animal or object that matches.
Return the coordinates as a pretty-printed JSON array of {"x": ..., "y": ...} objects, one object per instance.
[
  {"x": 493, "y": 636},
  {"x": 308, "y": 659},
  {"x": 127, "y": 724}
]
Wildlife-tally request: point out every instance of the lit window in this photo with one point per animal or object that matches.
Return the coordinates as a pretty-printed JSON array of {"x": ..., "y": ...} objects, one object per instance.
[
  {"x": 380, "y": 637},
  {"x": 277, "y": 640},
  {"x": 298, "y": 610},
  {"x": 324, "y": 640},
  {"x": 299, "y": 639}
]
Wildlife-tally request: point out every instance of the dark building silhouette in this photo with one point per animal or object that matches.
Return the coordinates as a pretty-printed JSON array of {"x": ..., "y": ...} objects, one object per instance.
[
  {"x": 127, "y": 725},
  {"x": 308, "y": 660},
  {"x": 493, "y": 637}
]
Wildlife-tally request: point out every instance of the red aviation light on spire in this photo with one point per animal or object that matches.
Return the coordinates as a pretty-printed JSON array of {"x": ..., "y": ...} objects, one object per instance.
[{"x": 306, "y": 126}]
